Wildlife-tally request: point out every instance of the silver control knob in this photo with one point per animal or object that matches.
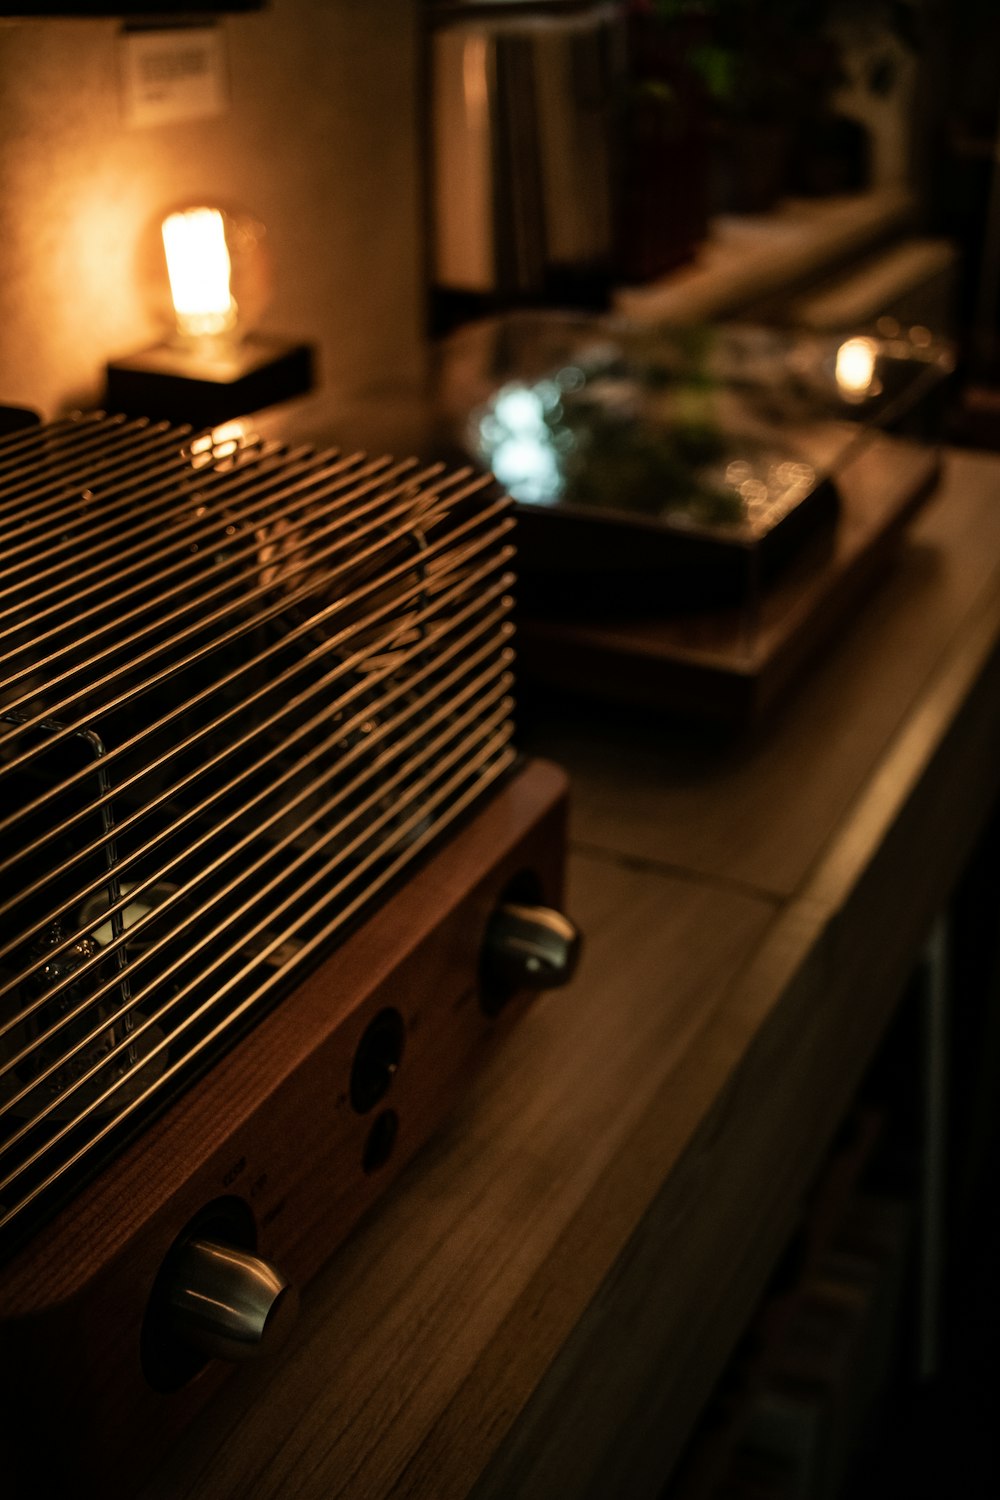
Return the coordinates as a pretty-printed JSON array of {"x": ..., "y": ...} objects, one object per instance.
[
  {"x": 227, "y": 1303},
  {"x": 530, "y": 947}
]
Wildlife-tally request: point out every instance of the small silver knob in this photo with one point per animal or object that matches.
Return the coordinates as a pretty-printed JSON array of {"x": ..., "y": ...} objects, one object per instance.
[
  {"x": 227, "y": 1303},
  {"x": 530, "y": 947}
]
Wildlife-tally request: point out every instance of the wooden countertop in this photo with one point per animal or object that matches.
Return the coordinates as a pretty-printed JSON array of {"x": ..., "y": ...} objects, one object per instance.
[{"x": 542, "y": 1304}]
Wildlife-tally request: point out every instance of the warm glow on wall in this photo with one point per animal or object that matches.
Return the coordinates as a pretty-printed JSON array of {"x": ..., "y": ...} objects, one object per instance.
[{"x": 199, "y": 268}]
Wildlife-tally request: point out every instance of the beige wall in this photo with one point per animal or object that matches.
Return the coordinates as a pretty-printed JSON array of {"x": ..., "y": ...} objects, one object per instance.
[{"x": 319, "y": 140}]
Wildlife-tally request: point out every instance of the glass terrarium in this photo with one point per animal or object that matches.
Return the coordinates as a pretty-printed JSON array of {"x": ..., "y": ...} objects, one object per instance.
[{"x": 672, "y": 469}]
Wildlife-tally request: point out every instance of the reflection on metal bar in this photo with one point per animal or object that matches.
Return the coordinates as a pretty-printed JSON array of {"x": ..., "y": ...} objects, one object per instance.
[
  {"x": 178, "y": 712},
  {"x": 161, "y": 497},
  {"x": 467, "y": 798},
  {"x": 119, "y": 469},
  {"x": 448, "y": 647},
  {"x": 436, "y": 712},
  {"x": 87, "y": 582},
  {"x": 272, "y": 889},
  {"x": 298, "y": 595},
  {"x": 259, "y": 591}
]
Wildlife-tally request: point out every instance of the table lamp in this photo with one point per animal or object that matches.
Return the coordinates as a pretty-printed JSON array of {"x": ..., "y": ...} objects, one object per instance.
[{"x": 213, "y": 365}]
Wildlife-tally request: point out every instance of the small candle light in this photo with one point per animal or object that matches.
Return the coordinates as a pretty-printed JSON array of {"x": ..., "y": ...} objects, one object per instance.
[{"x": 855, "y": 369}]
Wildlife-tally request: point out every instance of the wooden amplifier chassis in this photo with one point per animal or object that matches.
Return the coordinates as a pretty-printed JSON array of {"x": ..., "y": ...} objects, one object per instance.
[{"x": 272, "y": 1125}]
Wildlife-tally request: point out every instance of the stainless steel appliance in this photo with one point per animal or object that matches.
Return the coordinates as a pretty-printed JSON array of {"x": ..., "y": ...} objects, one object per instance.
[
  {"x": 273, "y": 877},
  {"x": 522, "y": 103}
]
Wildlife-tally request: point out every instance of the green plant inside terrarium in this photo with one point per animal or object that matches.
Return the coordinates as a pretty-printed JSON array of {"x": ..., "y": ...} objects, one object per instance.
[{"x": 642, "y": 428}]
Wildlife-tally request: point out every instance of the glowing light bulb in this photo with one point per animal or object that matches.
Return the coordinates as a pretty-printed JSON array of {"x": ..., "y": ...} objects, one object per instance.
[
  {"x": 855, "y": 370},
  {"x": 207, "y": 275},
  {"x": 199, "y": 269},
  {"x": 211, "y": 278}
]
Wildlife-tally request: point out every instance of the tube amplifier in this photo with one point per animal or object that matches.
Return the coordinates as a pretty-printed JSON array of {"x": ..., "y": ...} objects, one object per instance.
[{"x": 273, "y": 877}]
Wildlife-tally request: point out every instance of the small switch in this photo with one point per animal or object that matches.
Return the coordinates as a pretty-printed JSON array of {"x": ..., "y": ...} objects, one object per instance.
[{"x": 172, "y": 75}]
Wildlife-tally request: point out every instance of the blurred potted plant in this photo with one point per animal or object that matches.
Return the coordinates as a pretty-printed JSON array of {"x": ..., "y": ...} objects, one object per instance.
[
  {"x": 665, "y": 140},
  {"x": 730, "y": 105},
  {"x": 776, "y": 70},
  {"x": 770, "y": 70}
]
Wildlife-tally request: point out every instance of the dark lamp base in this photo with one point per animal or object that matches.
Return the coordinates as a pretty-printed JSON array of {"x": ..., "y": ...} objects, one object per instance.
[{"x": 185, "y": 385}]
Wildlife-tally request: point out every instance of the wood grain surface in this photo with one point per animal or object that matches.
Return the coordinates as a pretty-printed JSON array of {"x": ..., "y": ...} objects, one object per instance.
[
  {"x": 541, "y": 1304},
  {"x": 756, "y": 809}
]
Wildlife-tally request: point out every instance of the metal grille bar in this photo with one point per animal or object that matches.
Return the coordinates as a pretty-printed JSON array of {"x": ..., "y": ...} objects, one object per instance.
[{"x": 243, "y": 688}]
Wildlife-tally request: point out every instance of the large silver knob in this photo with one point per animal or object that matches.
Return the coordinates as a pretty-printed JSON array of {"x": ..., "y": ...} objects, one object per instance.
[
  {"x": 227, "y": 1303},
  {"x": 529, "y": 947}
]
